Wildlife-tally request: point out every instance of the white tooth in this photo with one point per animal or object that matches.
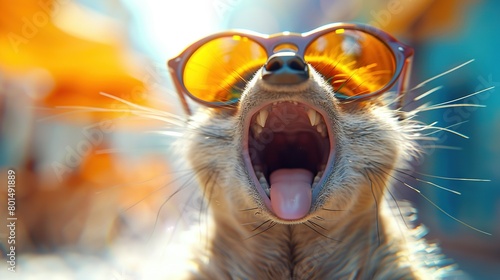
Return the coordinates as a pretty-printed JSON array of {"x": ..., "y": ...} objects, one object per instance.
[
  {"x": 264, "y": 185},
  {"x": 262, "y": 117},
  {"x": 316, "y": 179},
  {"x": 295, "y": 103},
  {"x": 321, "y": 128},
  {"x": 257, "y": 130},
  {"x": 314, "y": 117},
  {"x": 263, "y": 182}
]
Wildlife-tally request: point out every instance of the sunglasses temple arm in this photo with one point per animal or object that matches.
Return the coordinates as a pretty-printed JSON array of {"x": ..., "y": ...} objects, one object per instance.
[
  {"x": 181, "y": 93},
  {"x": 185, "y": 105},
  {"x": 404, "y": 84}
]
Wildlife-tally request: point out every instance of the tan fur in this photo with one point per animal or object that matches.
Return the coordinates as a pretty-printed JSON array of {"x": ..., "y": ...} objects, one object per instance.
[{"x": 366, "y": 240}]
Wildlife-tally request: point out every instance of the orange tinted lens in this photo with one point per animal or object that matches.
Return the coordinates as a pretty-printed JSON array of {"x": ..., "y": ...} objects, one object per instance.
[
  {"x": 353, "y": 62},
  {"x": 219, "y": 70}
]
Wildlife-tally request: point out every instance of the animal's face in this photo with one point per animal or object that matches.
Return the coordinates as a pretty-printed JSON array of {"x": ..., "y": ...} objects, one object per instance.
[{"x": 309, "y": 133}]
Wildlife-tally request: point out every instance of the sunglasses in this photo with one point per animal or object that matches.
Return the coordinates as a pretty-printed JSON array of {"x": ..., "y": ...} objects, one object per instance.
[{"x": 358, "y": 61}]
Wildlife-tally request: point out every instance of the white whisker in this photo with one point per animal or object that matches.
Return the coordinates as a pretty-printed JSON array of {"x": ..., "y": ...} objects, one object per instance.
[
  {"x": 437, "y": 129},
  {"x": 452, "y": 106},
  {"x": 464, "y": 97},
  {"x": 158, "y": 112},
  {"x": 442, "y": 74},
  {"x": 73, "y": 112},
  {"x": 452, "y": 217},
  {"x": 168, "y": 133},
  {"x": 443, "y": 147},
  {"x": 448, "y": 127},
  {"x": 454, "y": 178},
  {"x": 427, "y": 93},
  {"x": 428, "y": 182}
]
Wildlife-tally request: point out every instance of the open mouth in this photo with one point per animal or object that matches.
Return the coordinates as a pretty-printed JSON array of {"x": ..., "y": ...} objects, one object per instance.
[{"x": 288, "y": 146}]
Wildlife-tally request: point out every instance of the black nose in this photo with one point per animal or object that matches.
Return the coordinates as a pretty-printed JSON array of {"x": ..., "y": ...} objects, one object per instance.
[{"x": 285, "y": 68}]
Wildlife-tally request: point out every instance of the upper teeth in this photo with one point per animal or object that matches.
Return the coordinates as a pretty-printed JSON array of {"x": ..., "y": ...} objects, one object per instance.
[
  {"x": 262, "y": 117},
  {"x": 315, "y": 119}
]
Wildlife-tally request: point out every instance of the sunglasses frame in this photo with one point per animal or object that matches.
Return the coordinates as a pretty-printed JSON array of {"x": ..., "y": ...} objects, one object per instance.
[{"x": 403, "y": 56}]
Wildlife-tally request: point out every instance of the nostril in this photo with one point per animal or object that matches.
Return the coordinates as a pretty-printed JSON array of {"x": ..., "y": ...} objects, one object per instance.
[
  {"x": 297, "y": 64},
  {"x": 274, "y": 64}
]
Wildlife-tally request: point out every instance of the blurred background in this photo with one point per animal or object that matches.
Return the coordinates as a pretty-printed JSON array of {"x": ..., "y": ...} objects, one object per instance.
[{"x": 87, "y": 178}]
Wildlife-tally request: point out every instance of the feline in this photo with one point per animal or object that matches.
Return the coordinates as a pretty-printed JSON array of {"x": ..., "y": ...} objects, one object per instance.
[{"x": 295, "y": 154}]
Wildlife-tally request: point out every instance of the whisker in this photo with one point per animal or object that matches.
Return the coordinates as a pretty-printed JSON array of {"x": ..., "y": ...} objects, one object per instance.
[
  {"x": 72, "y": 112},
  {"x": 249, "y": 223},
  {"x": 178, "y": 190},
  {"x": 325, "y": 236},
  {"x": 377, "y": 218},
  {"x": 444, "y": 147},
  {"x": 448, "y": 127},
  {"x": 438, "y": 129},
  {"x": 399, "y": 208},
  {"x": 453, "y": 218},
  {"x": 428, "y": 182},
  {"x": 464, "y": 97},
  {"x": 263, "y": 223},
  {"x": 453, "y": 178},
  {"x": 442, "y": 74},
  {"x": 434, "y": 204},
  {"x": 171, "y": 133},
  {"x": 427, "y": 93},
  {"x": 451, "y": 106},
  {"x": 332, "y": 210},
  {"x": 249, "y": 209},
  {"x": 208, "y": 188},
  {"x": 271, "y": 225},
  {"x": 143, "y": 108},
  {"x": 317, "y": 225}
]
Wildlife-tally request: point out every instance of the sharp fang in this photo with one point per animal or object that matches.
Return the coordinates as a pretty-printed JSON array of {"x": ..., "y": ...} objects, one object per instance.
[
  {"x": 314, "y": 117},
  {"x": 257, "y": 130},
  {"x": 262, "y": 118}
]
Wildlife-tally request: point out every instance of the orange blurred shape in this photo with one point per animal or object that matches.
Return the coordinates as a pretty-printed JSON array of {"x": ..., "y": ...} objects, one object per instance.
[
  {"x": 74, "y": 69},
  {"x": 132, "y": 179},
  {"x": 424, "y": 19}
]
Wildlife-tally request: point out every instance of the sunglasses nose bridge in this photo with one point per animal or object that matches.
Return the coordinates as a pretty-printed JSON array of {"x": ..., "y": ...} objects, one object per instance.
[{"x": 285, "y": 68}]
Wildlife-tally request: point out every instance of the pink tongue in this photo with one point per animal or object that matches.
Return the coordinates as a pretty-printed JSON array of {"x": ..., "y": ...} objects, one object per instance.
[{"x": 291, "y": 195}]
